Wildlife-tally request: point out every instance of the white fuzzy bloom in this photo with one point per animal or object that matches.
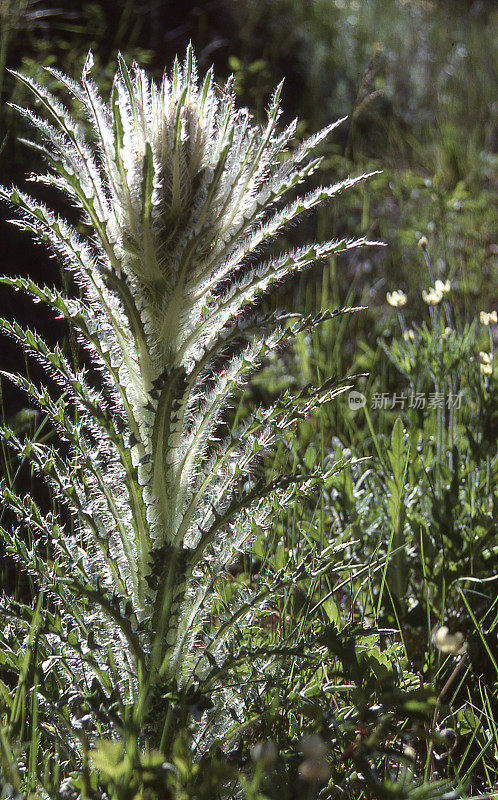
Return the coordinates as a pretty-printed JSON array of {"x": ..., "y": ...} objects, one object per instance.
[
  {"x": 486, "y": 363},
  {"x": 396, "y": 299},
  {"x": 433, "y": 297},
  {"x": 443, "y": 287},
  {"x": 487, "y": 317}
]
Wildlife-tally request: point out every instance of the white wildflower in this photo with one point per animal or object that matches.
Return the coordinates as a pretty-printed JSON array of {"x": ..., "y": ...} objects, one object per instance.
[
  {"x": 486, "y": 363},
  {"x": 433, "y": 297},
  {"x": 487, "y": 317},
  {"x": 443, "y": 287},
  {"x": 397, "y": 299}
]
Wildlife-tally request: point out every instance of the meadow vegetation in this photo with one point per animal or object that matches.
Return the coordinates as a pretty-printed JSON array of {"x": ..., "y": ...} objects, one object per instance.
[{"x": 340, "y": 640}]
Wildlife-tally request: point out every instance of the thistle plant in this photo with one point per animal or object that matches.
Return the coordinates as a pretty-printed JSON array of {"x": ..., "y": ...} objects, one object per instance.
[{"x": 153, "y": 489}]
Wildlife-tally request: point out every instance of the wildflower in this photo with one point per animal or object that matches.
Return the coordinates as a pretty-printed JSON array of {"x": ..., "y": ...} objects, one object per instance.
[
  {"x": 487, "y": 317},
  {"x": 422, "y": 242},
  {"x": 448, "y": 642},
  {"x": 447, "y": 332},
  {"x": 264, "y": 753},
  {"x": 409, "y": 335},
  {"x": 396, "y": 298},
  {"x": 486, "y": 364},
  {"x": 443, "y": 287},
  {"x": 432, "y": 297}
]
